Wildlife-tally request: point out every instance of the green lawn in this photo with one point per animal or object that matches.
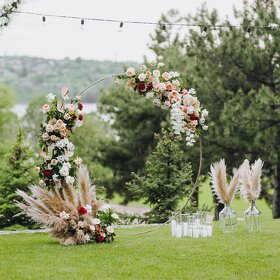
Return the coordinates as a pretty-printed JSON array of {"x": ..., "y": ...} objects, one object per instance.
[{"x": 155, "y": 255}]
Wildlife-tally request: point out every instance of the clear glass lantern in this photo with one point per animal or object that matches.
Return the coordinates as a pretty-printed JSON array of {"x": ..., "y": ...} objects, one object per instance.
[
  {"x": 253, "y": 218},
  {"x": 228, "y": 219}
]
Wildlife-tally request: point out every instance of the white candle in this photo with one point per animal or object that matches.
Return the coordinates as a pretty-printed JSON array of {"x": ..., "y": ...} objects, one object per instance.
[
  {"x": 178, "y": 231},
  {"x": 173, "y": 227},
  {"x": 209, "y": 230},
  {"x": 185, "y": 229},
  {"x": 204, "y": 231}
]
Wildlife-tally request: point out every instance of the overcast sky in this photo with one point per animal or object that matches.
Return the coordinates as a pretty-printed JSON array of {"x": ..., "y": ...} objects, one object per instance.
[{"x": 60, "y": 38}]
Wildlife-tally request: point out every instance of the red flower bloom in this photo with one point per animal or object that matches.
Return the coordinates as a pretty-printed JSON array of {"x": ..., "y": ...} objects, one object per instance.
[
  {"x": 81, "y": 117},
  {"x": 141, "y": 86},
  {"x": 101, "y": 238},
  {"x": 48, "y": 173},
  {"x": 81, "y": 106},
  {"x": 74, "y": 117},
  {"x": 82, "y": 210},
  {"x": 150, "y": 87},
  {"x": 193, "y": 117}
]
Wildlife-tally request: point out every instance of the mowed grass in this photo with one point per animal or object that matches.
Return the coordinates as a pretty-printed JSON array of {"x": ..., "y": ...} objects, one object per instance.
[{"x": 155, "y": 255}]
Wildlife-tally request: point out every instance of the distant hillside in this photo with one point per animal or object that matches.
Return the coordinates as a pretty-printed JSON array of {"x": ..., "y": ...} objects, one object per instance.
[{"x": 30, "y": 77}]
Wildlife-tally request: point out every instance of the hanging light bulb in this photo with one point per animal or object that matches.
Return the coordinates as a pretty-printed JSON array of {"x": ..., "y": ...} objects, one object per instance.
[
  {"x": 163, "y": 27},
  {"x": 248, "y": 33},
  {"x": 43, "y": 20},
  {"x": 82, "y": 24},
  {"x": 203, "y": 33},
  {"x": 121, "y": 27}
]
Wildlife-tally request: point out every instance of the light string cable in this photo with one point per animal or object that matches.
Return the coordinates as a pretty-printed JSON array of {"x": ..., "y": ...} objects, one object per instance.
[
  {"x": 163, "y": 25},
  {"x": 196, "y": 180}
]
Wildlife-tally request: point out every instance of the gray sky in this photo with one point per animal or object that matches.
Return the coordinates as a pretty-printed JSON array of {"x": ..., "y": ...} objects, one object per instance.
[{"x": 60, "y": 38}]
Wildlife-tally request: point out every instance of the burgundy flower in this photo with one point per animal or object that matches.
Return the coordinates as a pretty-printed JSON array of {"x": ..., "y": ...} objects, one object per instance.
[
  {"x": 193, "y": 117},
  {"x": 81, "y": 106},
  {"x": 82, "y": 210},
  {"x": 81, "y": 117},
  {"x": 150, "y": 87},
  {"x": 48, "y": 173},
  {"x": 74, "y": 117},
  {"x": 101, "y": 238},
  {"x": 141, "y": 86}
]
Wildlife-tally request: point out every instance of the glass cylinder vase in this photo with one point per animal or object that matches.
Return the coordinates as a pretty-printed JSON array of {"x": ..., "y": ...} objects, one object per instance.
[
  {"x": 228, "y": 219},
  {"x": 253, "y": 218}
]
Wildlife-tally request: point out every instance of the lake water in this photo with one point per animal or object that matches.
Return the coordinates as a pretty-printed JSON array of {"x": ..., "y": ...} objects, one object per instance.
[{"x": 20, "y": 109}]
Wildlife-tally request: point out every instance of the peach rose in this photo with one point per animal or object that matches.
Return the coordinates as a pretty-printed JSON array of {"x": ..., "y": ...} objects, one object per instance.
[
  {"x": 46, "y": 108},
  {"x": 168, "y": 86},
  {"x": 63, "y": 133},
  {"x": 130, "y": 83},
  {"x": 130, "y": 72},
  {"x": 54, "y": 138},
  {"x": 71, "y": 108},
  {"x": 166, "y": 76},
  {"x": 53, "y": 162},
  {"x": 59, "y": 122}
]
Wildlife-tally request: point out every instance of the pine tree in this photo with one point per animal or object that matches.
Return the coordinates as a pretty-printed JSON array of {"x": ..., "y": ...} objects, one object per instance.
[
  {"x": 18, "y": 173},
  {"x": 166, "y": 181}
]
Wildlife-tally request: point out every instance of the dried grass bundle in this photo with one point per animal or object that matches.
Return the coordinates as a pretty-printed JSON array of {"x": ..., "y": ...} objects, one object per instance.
[
  {"x": 58, "y": 208},
  {"x": 250, "y": 178},
  {"x": 224, "y": 192}
]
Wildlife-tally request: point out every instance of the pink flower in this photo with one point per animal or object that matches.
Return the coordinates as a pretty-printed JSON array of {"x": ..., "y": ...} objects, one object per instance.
[
  {"x": 71, "y": 108},
  {"x": 166, "y": 76}
]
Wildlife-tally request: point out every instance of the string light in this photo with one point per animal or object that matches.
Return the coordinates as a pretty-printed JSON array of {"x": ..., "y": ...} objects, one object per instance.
[
  {"x": 121, "y": 26},
  {"x": 203, "y": 33},
  {"x": 162, "y": 26},
  {"x": 248, "y": 33},
  {"x": 82, "y": 24}
]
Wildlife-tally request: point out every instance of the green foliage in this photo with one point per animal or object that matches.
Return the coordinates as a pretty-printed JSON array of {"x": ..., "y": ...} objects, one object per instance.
[
  {"x": 166, "y": 179},
  {"x": 17, "y": 173},
  {"x": 134, "y": 121},
  {"x": 237, "y": 80},
  {"x": 28, "y": 75}
]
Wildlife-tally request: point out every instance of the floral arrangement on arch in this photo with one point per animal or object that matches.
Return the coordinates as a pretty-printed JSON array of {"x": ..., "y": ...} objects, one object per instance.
[
  {"x": 62, "y": 119},
  {"x": 73, "y": 217},
  {"x": 166, "y": 89}
]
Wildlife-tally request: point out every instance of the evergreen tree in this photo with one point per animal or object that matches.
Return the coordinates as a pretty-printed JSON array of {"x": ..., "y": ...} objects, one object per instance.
[
  {"x": 166, "y": 180},
  {"x": 237, "y": 80},
  {"x": 18, "y": 173}
]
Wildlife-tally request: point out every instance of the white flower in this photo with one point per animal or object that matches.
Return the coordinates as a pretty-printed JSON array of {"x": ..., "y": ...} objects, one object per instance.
[
  {"x": 117, "y": 82},
  {"x": 63, "y": 215},
  {"x": 66, "y": 164},
  {"x": 80, "y": 224},
  {"x": 162, "y": 87},
  {"x": 202, "y": 120},
  {"x": 71, "y": 108},
  {"x": 64, "y": 171},
  {"x": 92, "y": 228},
  {"x": 87, "y": 238},
  {"x": 166, "y": 76},
  {"x": 60, "y": 159},
  {"x": 69, "y": 154},
  {"x": 190, "y": 109},
  {"x": 176, "y": 83},
  {"x": 45, "y": 136},
  {"x": 50, "y": 97},
  {"x": 156, "y": 102},
  {"x": 96, "y": 221},
  {"x": 46, "y": 108},
  {"x": 155, "y": 82},
  {"x": 153, "y": 63},
  {"x": 54, "y": 161},
  {"x": 89, "y": 208},
  {"x": 205, "y": 127},
  {"x": 130, "y": 72},
  {"x": 160, "y": 64},
  {"x": 67, "y": 116},
  {"x": 176, "y": 75},
  {"x": 49, "y": 128},
  {"x": 70, "y": 180},
  {"x": 105, "y": 208},
  {"x": 42, "y": 183},
  {"x": 149, "y": 95},
  {"x": 115, "y": 216},
  {"x": 167, "y": 103},
  {"x": 192, "y": 91},
  {"x": 204, "y": 113},
  {"x": 156, "y": 73},
  {"x": 110, "y": 229},
  {"x": 78, "y": 161},
  {"x": 143, "y": 67},
  {"x": 55, "y": 177},
  {"x": 142, "y": 77},
  {"x": 70, "y": 146}
]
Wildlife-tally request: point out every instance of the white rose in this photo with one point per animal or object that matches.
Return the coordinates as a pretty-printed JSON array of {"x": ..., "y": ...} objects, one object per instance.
[
  {"x": 160, "y": 64},
  {"x": 192, "y": 91},
  {"x": 205, "y": 127},
  {"x": 115, "y": 216},
  {"x": 143, "y": 67},
  {"x": 105, "y": 208},
  {"x": 55, "y": 177},
  {"x": 110, "y": 229},
  {"x": 149, "y": 95},
  {"x": 92, "y": 228},
  {"x": 78, "y": 161},
  {"x": 42, "y": 183},
  {"x": 70, "y": 180},
  {"x": 156, "y": 73},
  {"x": 64, "y": 215},
  {"x": 156, "y": 102},
  {"x": 130, "y": 72},
  {"x": 96, "y": 221},
  {"x": 71, "y": 108},
  {"x": 202, "y": 120},
  {"x": 49, "y": 128},
  {"x": 67, "y": 116},
  {"x": 204, "y": 113},
  {"x": 190, "y": 109},
  {"x": 80, "y": 224},
  {"x": 162, "y": 87},
  {"x": 50, "y": 97},
  {"x": 64, "y": 171},
  {"x": 79, "y": 123},
  {"x": 89, "y": 208},
  {"x": 46, "y": 108},
  {"x": 45, "y": 136},
  {"x": 142, "y": 77}
]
